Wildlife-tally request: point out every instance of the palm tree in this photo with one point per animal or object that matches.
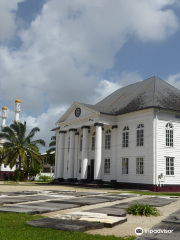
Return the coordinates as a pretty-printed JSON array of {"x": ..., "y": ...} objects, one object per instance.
[
  {"x": 51, "y": 157},
  {"x": 20, "y": 147}
]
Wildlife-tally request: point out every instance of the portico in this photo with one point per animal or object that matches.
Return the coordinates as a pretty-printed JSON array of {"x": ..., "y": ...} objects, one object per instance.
[{"x": 78, "y": 155}]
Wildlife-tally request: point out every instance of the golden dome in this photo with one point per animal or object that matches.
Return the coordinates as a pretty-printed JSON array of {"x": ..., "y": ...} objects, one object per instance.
[
  {"x": 4, "y": 108},
  {"x": 18, "y": 100}
]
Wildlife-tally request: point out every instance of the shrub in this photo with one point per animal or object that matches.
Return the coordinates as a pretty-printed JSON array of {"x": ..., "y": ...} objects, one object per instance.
[
  {"x": 18, "y": 176},
  {"x": 45, "y": 178},
  {"x": 142, "y": 210}
]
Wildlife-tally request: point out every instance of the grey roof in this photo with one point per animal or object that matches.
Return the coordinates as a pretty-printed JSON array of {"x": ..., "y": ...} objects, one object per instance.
[
  {"x": 152, "y": 92},
  {"x": 56, "y": 128}
]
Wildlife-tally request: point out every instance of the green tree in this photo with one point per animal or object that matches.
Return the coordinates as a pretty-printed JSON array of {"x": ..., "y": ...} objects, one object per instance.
[
  {"x": 51, "y": 151},
  {"x": 34, "y": 170},
  {"x": 18, "y": 146}
]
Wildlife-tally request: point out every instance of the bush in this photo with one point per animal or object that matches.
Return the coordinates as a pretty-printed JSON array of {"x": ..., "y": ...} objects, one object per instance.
[
  {"x": 18, "y": 176},
  {"x": 142, "y": 210},
  {"x": 45, "y": 178}
]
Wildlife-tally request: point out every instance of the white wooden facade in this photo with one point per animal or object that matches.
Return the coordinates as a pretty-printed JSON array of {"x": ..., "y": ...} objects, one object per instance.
[
  {"x": 154, "y": 150},
  {"x": 152, "y": 160}
]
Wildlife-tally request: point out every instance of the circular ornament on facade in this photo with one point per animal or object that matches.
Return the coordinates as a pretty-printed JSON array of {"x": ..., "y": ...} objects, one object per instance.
[{"x": 77, "y": 112}]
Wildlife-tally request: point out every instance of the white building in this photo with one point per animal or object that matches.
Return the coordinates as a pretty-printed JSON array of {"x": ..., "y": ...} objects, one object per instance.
[
  {"x": 131, "y": 138},
  {"x": 5, "y": 171}
]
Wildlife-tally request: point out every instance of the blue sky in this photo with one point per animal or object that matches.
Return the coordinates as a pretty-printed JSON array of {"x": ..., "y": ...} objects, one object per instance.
[{"x": 54, "y": 53}]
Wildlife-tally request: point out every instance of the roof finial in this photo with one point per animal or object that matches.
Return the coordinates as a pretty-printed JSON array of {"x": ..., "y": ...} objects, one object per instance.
[
  {"x": 4, "y": 108},
  {"x": 18, "y": 100}
]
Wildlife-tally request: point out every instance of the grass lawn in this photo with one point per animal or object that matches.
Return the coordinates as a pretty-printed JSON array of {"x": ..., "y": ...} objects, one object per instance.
[
  {"x": 13, "y": 226},
  {"x": 170, "y": 194}
]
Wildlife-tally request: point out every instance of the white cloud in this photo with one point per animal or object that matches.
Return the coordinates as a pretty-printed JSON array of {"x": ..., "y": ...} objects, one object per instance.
[
  {"x": 174, "y": 80},
  {"x": 71, "y": 43},
  {"x": 7, "y": 19},
  {"x": 106, "y": 87},
  {"x": 69, "y": 46}
]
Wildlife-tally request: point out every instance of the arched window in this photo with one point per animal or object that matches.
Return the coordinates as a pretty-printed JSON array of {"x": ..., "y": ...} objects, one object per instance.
[
  {"x": 140, "y": 135},
  {"x": 93, "y": 140},
  {"x": 125, "y": 137},
  {"x": 169, "y": 135},
  {"x": 68, "y": 143},
  {"x": 81, "y": 139},
  {"x": 108, "y": 139}
]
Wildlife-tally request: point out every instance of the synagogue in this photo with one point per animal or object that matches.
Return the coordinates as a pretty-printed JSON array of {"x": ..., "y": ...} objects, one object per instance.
[{"x": 131, "y": 139}]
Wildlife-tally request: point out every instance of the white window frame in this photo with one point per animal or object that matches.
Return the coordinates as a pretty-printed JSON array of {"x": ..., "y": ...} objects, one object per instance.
[
  {"x": 140, "y": 135},
  {"x": 107, "y": 165},
  {"x": 169, "y": 168},
  {"x": 108, "y": 139},
  {"x": 79, "y": 165},
  {"x": 125, "y": 165},
  {"x": 169, "y": 135},
  {"x": 139, "y": 165},
  {"x": 81, "y": 142},
  {"x": 93, "y": 141},
  {"x": 125, "y": 137}
]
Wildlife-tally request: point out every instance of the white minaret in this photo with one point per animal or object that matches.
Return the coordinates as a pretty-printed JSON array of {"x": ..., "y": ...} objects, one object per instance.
[
  {"x": 17, "y": 110},
  {"x": 3, "y": 116}
]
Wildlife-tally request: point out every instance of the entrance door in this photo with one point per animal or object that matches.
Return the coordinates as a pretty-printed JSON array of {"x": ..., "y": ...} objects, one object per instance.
[{"x": 92, "y": 170}]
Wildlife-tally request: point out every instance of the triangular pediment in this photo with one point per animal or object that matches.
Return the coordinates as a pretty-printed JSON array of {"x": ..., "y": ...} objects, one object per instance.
[{"x": 76, "y": 112}]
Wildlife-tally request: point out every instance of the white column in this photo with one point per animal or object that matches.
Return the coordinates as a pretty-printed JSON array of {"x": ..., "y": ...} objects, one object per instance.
[
  {"x": 85, "y": 152},
  {"x": 71, "y": 153},
  {"x": 61, "y": 143},
  {"x": 98, "y": 151},
  {"x": 114, "y": 156},
  {"x": 56, "y": 156},
  {"x": 76, "y": 154}
]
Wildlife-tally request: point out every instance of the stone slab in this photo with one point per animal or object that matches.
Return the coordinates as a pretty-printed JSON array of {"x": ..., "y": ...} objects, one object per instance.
[
  {"x": 109, "y": 221},
  {"x": 167, "y": 197},
  {"x": 109, "y": 211},
  {"x": 155, "y": 202},
  {"x": 52, "y": 204},
  {"x": 16, "y": 210},
  {"x": 18, "y": 193},
  {"x": 66, "y": 225},
  {"x": 84, "y": 201},
  {"x": 89, "y": 193},
  {"x": 27, "y": 209},
  {"x": 59, "y": 196},
  {"x": 173, "y": 218},
  {"x": 163, "y": 225},
  {"x": 61, "y": 191},
  {"x": 129, "y": 195},
  {"x": 11, "y": 200},
  {"x": 36, "y": 209},
  {"x": 112, "y": 198},
  {"x": 116, "y": 195},
  {"x": 159, "y": 237}
]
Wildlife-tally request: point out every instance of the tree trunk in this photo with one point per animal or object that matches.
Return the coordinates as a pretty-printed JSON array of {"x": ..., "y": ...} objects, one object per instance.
[{"x": 19, "y": 163}]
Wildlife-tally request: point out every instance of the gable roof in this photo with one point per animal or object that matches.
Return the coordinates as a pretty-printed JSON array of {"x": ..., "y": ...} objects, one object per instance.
[{"x": 152, "y": 92}]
